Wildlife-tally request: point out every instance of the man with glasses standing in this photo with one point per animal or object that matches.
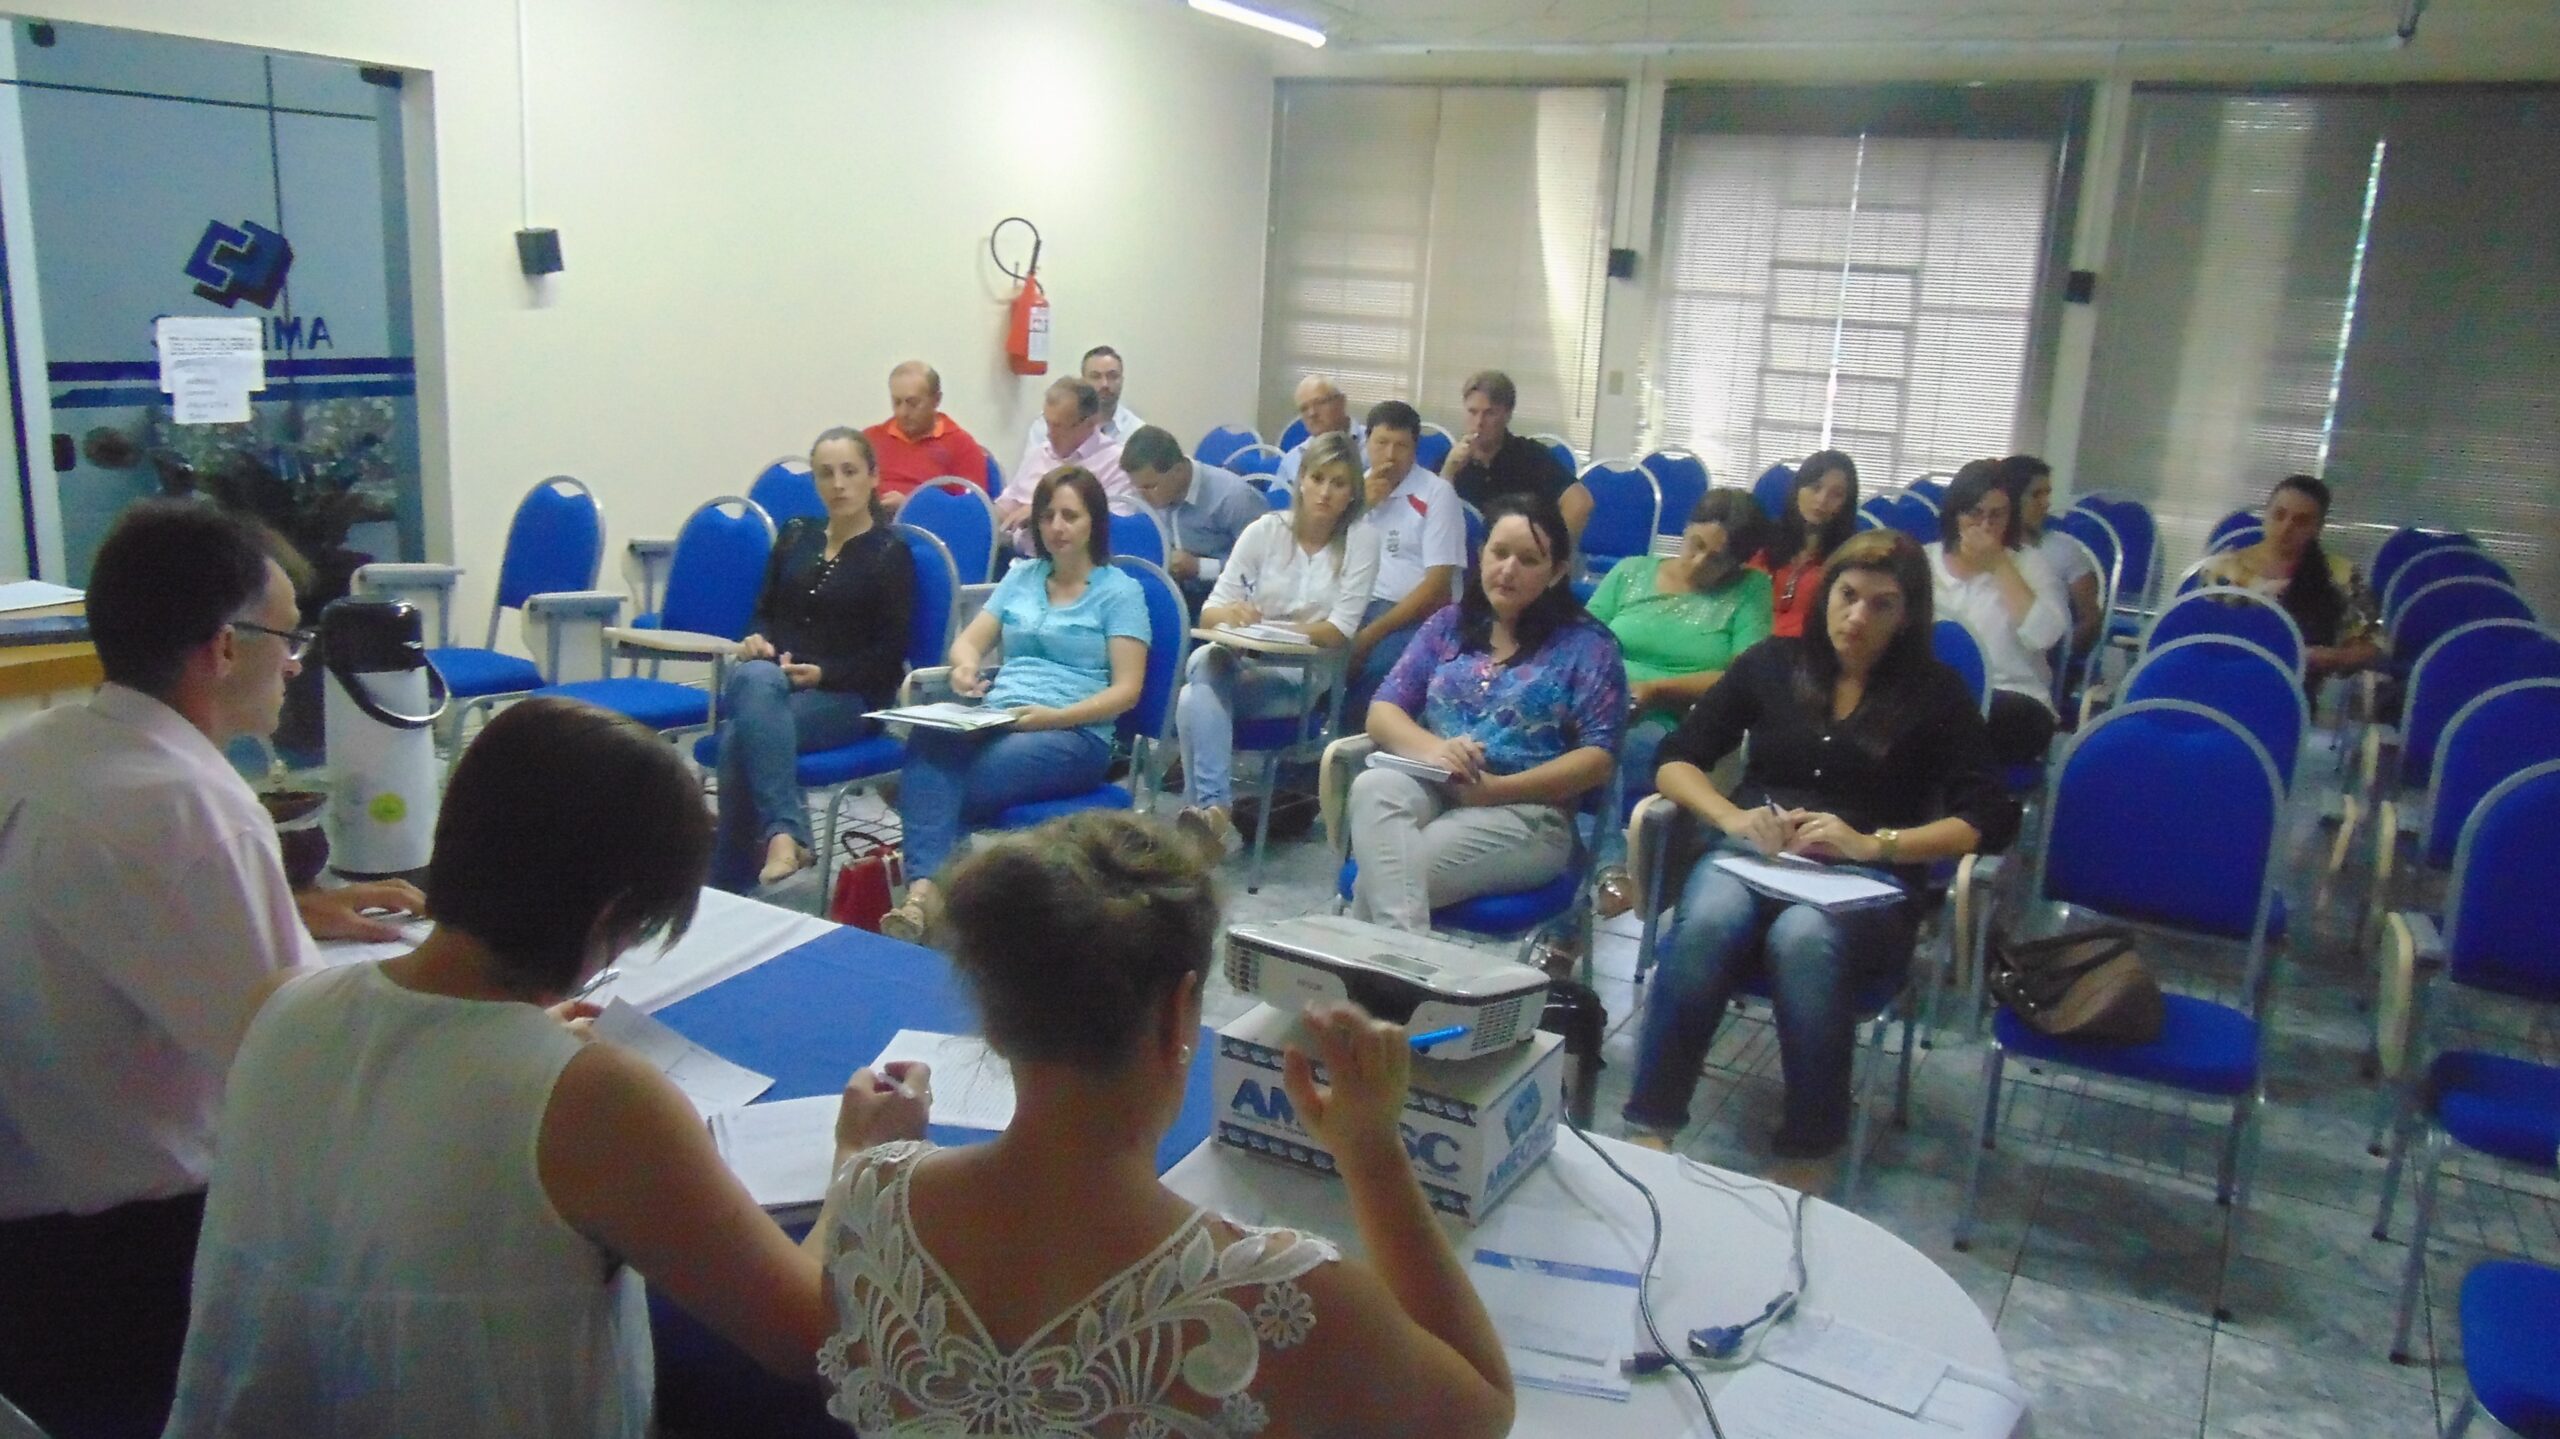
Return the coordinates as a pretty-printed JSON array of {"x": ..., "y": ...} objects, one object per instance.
[{"x": 148, "y": 914}]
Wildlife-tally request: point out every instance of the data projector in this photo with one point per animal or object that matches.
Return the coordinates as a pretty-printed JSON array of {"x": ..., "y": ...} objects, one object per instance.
[{"x": 1415, "y": 980}]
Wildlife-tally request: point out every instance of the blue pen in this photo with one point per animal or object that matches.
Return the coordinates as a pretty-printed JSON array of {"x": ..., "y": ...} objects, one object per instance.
[{"x": 1422, "y": 1042}]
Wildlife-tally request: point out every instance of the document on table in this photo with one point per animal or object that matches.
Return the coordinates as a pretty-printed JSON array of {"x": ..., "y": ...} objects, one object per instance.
[
  {"x": 1819, "y": 885},
  {"x": 34, "y": 595},
  {"x": 1565, "y": 1325},
  {"x": 1413, "y": 767},
  {"x": 947, "y": 714},
  {"x": 1766, "y": 1401},
  {"x": 784, "y": 1151},
  {"x": 1264, "y": 634},
  {"x": 413, "y": 932},
  {"x": 972, "y": 1085},
  {"x": 1899, "y": 1376},
  {"x": 712, "y": 1083}
]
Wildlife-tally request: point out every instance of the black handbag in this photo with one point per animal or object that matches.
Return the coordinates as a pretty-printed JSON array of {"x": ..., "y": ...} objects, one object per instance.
[{"x": 2087, "y": 984}]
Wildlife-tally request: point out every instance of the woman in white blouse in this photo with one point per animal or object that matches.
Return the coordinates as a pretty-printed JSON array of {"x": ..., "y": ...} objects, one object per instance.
[
  {"x": 1306, "y": 569},
  {"x": 2011, "y": 601}
]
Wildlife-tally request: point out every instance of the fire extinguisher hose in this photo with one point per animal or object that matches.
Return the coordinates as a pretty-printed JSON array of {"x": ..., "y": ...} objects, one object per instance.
[{"x": 1027, "y": 271}]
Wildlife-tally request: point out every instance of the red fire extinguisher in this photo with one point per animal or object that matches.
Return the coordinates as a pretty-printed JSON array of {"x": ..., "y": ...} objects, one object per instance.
[{"x": 1026, "y": 340}]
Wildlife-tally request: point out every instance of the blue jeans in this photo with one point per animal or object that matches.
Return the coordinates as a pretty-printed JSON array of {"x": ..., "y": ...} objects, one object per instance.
[
  {"x": 1635, "y": 780},
  {"x": 769, "y": 726},
  {"x": 1815, "y": 964},
  {"x": 955, "y": 780},
  {"x": 1221, "y": 689},
  {"x": 1373, "y": 669}
]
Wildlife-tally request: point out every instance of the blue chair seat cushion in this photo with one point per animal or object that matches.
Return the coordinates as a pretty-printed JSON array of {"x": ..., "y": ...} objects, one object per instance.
[
  {"x": 1504, "y": 916},
  {"x": 1041, "y": 811},
  {"x": 2501, "y": 1106},
  {"x": 659, "y": 704},
  {"x": 867, "y": 758},
  {"x": 2509, "y": 1309},
  {"x": 472, "y": 673},
  {"x": 2203, "y": 1048}
]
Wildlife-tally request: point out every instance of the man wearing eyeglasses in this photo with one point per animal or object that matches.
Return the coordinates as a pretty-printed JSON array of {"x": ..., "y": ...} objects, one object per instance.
[{"x": 147, "y": 914}]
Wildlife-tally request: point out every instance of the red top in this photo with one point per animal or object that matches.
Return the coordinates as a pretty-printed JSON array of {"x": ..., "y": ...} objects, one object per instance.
[
  {"x": 1794, "y": 590},
  {"x": 906, "y": 464}
]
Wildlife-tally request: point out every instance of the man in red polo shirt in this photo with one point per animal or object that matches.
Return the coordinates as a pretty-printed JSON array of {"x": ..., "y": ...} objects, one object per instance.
[{"x": 918, "y": 442}]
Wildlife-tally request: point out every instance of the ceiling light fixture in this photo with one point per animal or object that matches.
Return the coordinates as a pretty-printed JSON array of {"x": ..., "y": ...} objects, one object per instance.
[{"x": 1268, "y": 24}]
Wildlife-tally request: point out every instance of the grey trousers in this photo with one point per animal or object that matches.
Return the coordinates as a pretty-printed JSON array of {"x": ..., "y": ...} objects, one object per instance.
[{"x": 1418, "y": 852}]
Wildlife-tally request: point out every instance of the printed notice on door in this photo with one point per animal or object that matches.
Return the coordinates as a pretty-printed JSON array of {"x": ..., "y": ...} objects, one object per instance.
[{"x": 209, "y": 365}]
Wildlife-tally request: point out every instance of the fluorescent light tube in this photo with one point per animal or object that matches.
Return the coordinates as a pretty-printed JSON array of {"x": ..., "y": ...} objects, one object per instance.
[{"x": 1268, "y": 24}]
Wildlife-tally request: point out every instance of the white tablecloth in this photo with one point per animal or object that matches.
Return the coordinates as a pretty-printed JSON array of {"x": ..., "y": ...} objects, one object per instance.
[{"x": 1723, "y": 1258}]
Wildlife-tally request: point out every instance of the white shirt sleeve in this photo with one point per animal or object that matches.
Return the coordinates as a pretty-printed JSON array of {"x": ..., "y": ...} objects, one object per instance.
[
  {"x": 1359, "y": 578},
  {"x": 1444, "y": 530},
  {"x": 2049, "y": 618},
  {"x": 1243, "y": 569}
]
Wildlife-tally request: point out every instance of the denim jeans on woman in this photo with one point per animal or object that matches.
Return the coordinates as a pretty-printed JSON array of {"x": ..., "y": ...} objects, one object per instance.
[
  {"x": 1816, "y": 964},
  {"x": 1220, "y": 690},
  {"x": 953, "y": 781},
  {"x": 769, "y": 726},
  {"x": 1636, "y": 764}
]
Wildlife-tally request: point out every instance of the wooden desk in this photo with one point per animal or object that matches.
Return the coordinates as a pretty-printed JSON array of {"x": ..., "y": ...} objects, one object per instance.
[{"x": 39, "y": 673}]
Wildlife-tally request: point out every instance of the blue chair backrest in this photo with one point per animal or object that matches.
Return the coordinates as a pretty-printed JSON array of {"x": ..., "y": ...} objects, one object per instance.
[
  {"x": 1169, "y": 630},
  {"x": 1431, "y": 449},
  {"x": 1475, "y": 535},
  {"x": 2467, "y": 663},
  {"x": 2512, "y": 727},
  {"x": 718, "y": 569},
  {"x": 2406, "y": 545},
  {"x": 2164, "y": 811},
  {"x": 960, "y": 515},
  {"x": 2446, "y": 606},
  {"x": 995, "y": 475},
  {"x": 555, "y": 543},
  {"x": 2228, "y": 524},
  {"x": 2138, "y": 565},
  {"x": 1253, "y": 460},
  {"x": 1562, "y": 451},
  {"x": 1682, "y": 480},
  {"x": 1625, "y": 506},
  {"x": 1861, "y": 522},
  {"x": 1957, "y": 650},
  {"x": 787, "y": 491},
  {"x": 2236, "y": 678},
  {"x": 2445, "y": 562},
  {"x": 1215, "y": 446},
  {"x": 2497, "y": 929},
  {"x": 1932, "y": 490},
  {"x": 1279, "y": 496},
  {"x": 2092, "y": 529},
  {"x": 1137, "y": 536},
  {"x": 2239, "y": 539},
  {"x": 935, "y": 610},
  {"x": 2227, "y": 610},
  {"x": 1294, "y": 436},
  {"x": 1878, "y": 508},
  {"x": 1773, "y": 487},
  {"x": 1915, "y": 517}
]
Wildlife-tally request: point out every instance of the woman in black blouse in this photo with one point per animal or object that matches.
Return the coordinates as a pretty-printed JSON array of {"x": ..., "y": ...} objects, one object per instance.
[
  {"x": 829, "y": 645},
  {"x": 1865, "y": 751}
]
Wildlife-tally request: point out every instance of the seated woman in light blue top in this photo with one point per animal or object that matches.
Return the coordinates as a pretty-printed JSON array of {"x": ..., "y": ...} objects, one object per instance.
[
  {"x": 1074, "y": 658},
  {"x": 1307, "y": 569}
]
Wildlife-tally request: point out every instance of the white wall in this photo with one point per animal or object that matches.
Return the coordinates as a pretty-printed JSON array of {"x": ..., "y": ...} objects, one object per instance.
[{"x": 764, "y": 205}]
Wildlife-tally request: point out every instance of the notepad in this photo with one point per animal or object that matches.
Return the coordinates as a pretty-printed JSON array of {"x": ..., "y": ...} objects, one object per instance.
[
  {"x": 34, "y": 595},
  {"x": 712, "y": 1083},
  {"x": 1822, "y": 886},
  {"x": 1414, "y": 767},
  {"x": 1886, "y": 1371},
  {"x": 1264, "y": 634},
  {"x": 972, "y": 1085},
  {"x": 782, "y": 1152},
  {"x": 946, "y": 714}
]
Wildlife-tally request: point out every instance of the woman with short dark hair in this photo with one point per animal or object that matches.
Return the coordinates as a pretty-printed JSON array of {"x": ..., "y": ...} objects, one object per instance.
[
  {"x": 435, "y": 1200},
  {"x": 1074, "y": 634},
  {"x": 2009, "y": 600},
  {"x": 1821, "y": 513},
  {"x": 1865, "y": 751},
  {"x": 1046, "y": 1282}
]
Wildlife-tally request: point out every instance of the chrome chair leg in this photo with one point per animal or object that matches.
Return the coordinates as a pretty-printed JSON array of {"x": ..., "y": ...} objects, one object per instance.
[
  {"x": 1986, "y": 1126},
  {"x": 2413, "y": 1273}
]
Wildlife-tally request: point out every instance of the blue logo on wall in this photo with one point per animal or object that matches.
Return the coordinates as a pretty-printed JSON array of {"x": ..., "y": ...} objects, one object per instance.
[{"x": 245, "y": 264}]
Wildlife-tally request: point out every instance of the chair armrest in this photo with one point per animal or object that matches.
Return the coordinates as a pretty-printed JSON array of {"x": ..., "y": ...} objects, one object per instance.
[
  {"x": 1342, "y": 759},
  {"x": 2426, "y": 942},
  {"x": 645, "y": 564},
  {"x": 2412, "y": 953},
  {"x": 1649, "y": 833},
  {"x": 681, "y": 644},
  {"x": 655, "y": 548},
  {"x": 434, "y": 583},
  {"x": 922, "y": 686},
  {"x": 565, "y": 627}
]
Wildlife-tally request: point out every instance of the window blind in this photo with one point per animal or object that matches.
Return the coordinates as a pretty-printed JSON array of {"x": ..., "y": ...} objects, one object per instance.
[{"x": 1420, "y": 233}]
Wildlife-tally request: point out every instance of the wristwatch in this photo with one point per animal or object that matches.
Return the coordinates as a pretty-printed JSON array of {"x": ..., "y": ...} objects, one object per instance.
[{"x": 1891, "y": 840}]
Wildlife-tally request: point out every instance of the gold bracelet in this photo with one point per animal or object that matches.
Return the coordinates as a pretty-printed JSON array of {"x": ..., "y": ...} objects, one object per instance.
[{"x": 1891, "y": 840}]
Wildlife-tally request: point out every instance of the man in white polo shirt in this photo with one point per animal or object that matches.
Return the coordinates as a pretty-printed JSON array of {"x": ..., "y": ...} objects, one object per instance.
[
  {"x": 147, "y": 909},
  {"x": 1422, "y": 548}
]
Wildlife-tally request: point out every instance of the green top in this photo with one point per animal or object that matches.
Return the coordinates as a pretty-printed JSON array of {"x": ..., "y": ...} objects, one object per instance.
[{"x": 1666, "y": 636}]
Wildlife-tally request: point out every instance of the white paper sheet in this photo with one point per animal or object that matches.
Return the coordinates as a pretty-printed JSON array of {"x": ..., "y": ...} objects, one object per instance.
[
  {"x": 1569, "y": 1376},
  {"x": 413, "y": 933},
  {"x": 205, "y": 392},
  {"x": 946, "y": 714},
  {"x": 1573, "y": 1311},
  {"x": 225, "y": 345},
  {"x": 34, "y": 595},
  {"x": 781, "y": 1151},
  {"x": 1819, "y": 885},
  {"x": 1766, "y": 1402},
  {"x": 972, "y": 1085},
  {"x": 1414, "y": 767},
  {"x": 1899, "y": 1376},
  {"x": 712, "y": 1083}
]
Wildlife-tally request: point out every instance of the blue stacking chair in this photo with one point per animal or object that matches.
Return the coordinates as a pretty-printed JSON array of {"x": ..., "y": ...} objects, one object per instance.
[
  {"x": 1681, "y": 480},
  {"x": 1930, "y": 488},
  {"x": 2496, "y": 944},
  {"x": 2236, "y": 539},
  {"x": 2405, "y": 545},
  {"x": 1431, "y": 448},
  {"x": 2137, "y": 562},
  {"x": 2503, "y": 731},
  {"x": 712, "y": 586},
  {"x": 555, "y": 545},
  {"x": 1914, "y": 516},
  {"x": 2237, "y": 678},
  {"x": 1879, "y": 508},
  {"x": 2092, "y": 530},
  {"x": 2466, "y": 663},
  {"x": 2446, "y": 606},
  {"x": 1958, "y": 651},
  {"x": 1293, "y": 436},
  {"x": 2162, "y": 814},
  {"x": 1257, "y": 463},
  {"x": 1772, "y": 488},
  {"x": 2509, "y": 1311},
  {"x": 1282, "y": 739},
  {"x": 1279, "y": 496},
  {"x": 2237, "y": 613},
  {"x": 838, "y": 773},
  {"x": 995, "y": 474},
  {"x": 1861, "y": 522},
  {"x": 1215, "y": 446},
  {"x": 2229, "y": 525},
  {"x": 2445, "y": 562},
  {"x": 960, "y": 515},
  {"x": 1562, "y": 449},
  {"x": 1626, "y": 513},
  {"x": 787, "y": 490},
  {"x": 1139, "y": 536}
]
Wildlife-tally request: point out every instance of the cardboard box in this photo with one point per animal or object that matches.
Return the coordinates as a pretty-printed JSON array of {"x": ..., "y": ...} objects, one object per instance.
[{"x": 1472, "y": 1127}]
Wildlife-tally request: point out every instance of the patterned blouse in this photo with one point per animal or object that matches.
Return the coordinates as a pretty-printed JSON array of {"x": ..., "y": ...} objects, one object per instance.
[
  {"x": 2359, "y": 619},
  {"x": 1569, "y": 693}
]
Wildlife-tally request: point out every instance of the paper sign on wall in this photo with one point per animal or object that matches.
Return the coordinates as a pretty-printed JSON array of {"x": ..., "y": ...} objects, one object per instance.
[{"x": 209, "y": 364}]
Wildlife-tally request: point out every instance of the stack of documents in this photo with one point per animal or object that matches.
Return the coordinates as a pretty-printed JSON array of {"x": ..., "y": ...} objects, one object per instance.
[
  {"x": 34, "y": 595},
  {"x": 1805, "y": 881},
  {"x": 1564, "y": 1326},
  {"x": 946, "y": 714},
  {"x": 1264, "y": 634},
  {"x": 784, "y": 1152},
  {"x": 1414, "y": 767},
  {"x": 712, "y": 1083}
]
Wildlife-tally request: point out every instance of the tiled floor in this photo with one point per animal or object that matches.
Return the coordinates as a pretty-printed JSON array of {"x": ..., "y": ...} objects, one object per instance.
[{"x": 2096, "y": 1244}]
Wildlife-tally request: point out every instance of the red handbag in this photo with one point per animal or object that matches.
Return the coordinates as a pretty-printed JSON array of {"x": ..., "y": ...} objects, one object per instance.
[{"x": 869, "y": 872}]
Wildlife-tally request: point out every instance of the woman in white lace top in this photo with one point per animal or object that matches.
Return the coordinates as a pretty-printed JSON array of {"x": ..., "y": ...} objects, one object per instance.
[{"x": 1046, "y": 1283}]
